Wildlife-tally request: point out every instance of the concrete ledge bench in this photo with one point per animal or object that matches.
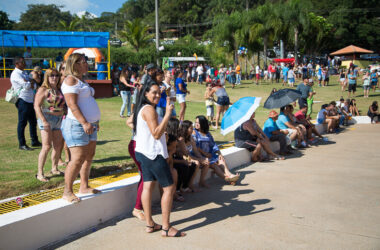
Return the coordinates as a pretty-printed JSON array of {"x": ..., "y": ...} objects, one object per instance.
[{"x": 57, "y": 220}]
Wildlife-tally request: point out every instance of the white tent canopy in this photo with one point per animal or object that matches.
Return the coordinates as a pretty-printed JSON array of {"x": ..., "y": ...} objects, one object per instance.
[{"x": 186, "y": 59}]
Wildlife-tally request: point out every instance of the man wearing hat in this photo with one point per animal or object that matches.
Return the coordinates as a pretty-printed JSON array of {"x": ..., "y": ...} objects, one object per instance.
[
  {"x": 274, "y": 133},
  {"x": 150, "y": 70}
]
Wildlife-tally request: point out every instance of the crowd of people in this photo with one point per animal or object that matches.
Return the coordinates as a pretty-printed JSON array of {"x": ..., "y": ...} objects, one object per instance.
[{"x": 166, "y": 148}]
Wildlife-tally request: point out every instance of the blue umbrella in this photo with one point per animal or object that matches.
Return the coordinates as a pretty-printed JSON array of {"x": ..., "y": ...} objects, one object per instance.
[{"x": 238, "y": 113}]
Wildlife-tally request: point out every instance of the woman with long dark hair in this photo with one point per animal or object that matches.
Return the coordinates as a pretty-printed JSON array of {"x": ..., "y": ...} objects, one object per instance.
[
  {"x": 151, "y": 152},
  {"x": 125, "y": 88},
  {"x": 208, "y": 148}
]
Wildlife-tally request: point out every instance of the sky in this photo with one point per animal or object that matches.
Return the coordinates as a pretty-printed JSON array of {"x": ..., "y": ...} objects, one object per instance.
[{"x": 14, "y": 8}]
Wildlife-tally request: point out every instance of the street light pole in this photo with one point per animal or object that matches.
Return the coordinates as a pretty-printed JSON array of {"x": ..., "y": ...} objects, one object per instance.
[{"x": 157, "y": 34}]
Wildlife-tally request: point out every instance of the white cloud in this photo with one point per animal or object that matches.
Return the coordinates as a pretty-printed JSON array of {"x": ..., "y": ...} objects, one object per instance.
[{"x": 15, "y": 7}]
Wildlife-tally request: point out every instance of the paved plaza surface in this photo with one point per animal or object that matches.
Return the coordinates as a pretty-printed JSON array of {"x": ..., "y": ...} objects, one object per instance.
[{"x": 325, "y": 197}]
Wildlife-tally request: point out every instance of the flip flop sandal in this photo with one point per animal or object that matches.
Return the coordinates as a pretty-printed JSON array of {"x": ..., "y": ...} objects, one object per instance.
[
  {"x": 178, "y": 234},
  {"x": 42, "y": 179},
  {"x": 154, "y": 229}
]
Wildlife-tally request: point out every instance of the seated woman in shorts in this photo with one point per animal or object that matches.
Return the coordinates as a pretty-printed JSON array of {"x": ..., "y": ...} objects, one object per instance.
[
  {"x": 322, "y": 118},
  {"x": 208, "y": 148},
  {"x": 250, "y": 136},
  {"x": 187, "y": 154}
]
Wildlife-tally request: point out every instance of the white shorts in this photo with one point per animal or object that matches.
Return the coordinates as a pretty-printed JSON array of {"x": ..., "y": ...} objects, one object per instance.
[
  {"x": 181, "y": 98},
  {"x": 291, "y": 131},
  {"x": 342, "y": 79},
  {"x": 210, "y": 111}
]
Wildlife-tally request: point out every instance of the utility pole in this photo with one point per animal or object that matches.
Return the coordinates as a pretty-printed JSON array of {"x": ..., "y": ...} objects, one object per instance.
[{"x": 157, "y": 31}]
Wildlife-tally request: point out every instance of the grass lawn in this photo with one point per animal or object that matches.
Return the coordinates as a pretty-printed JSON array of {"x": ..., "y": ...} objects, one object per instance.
[{"x": 18, "y": 168}]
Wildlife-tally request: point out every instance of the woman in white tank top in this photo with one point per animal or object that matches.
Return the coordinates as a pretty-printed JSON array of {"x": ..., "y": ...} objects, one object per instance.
[{"x": 151, "y": 152}]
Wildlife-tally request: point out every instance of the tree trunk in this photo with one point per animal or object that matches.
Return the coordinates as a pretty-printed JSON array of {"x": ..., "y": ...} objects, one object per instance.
[
  {"x": 258, "y": 58},
  {"x": 296, "y": 46},
  {"x": 265, "y": 40}
]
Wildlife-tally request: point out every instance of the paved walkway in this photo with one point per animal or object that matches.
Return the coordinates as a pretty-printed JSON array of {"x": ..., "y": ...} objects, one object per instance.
[{"x": 328, "y": 198}]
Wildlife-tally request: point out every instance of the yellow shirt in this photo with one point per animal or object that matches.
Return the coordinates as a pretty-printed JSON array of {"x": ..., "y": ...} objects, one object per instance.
[{"x": 237, "y": 69}]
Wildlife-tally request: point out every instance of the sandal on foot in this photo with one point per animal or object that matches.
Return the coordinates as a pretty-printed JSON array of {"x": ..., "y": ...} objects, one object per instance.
[
  {"x": 178, "y": 233},
  {"x": 179, "y": 198},
  {"x": 72, "y": 199},
  {"x": 41, "y": 178},
  {"x": 153, "y": 228},
  {"x": 56, "y": 172},
  {"x": 233, "y": 178},
  {"x": 139, "y": 214}
]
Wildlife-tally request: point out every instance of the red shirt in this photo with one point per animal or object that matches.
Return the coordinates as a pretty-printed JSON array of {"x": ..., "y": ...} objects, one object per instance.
[{"x": 299, "y": 115}]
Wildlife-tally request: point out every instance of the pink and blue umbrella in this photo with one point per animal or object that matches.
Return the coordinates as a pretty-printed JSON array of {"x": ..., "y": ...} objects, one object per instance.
[{"x": 238, "y": 113}]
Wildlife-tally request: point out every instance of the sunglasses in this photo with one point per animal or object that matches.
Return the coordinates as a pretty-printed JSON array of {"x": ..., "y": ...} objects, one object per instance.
[{"x": 54, "y": 76}]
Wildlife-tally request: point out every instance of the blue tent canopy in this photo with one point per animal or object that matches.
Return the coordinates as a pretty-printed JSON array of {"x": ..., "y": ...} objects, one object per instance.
[{"x": 53, "y": 39}]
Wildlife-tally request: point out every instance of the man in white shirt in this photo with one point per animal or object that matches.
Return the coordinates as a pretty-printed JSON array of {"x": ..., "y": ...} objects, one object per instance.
[
  {"x": 20, "y": 81},
  {"x": 257, "y": 74},
  {"x": 200, "y": 72}
]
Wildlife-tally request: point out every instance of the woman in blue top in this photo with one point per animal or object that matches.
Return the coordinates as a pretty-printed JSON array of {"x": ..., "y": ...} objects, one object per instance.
[
  {"x": 351, "y": 76},
  {"x": 374, "y": 79},
  {"x": 181, "y": 87},
  {"x": 208, "y": 148}
]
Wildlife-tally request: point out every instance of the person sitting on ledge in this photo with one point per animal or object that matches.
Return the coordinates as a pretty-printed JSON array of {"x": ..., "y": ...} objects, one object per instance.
[
  {"x": 249, "y": 135},
  {"x": 300, "y": 115},
  {"x": 274, "y": 133},
  {"x": 293, "y": 135},
  {"x": 373, "y": 111},
  {"x": 323, "y": 118},
  {"x": 208, "y": 148}
]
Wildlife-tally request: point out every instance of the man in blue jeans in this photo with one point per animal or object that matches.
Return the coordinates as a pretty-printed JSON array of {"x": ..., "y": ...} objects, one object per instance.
[{"x": 20, "y": 81}]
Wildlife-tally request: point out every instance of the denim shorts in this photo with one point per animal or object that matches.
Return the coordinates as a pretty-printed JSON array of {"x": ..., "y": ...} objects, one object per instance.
[
  {"x": 223, "y": 101},
  {"x": 74, "y": 134},
  {"x": 155, "y": 170},
  {"x": 54, "y": 121}
]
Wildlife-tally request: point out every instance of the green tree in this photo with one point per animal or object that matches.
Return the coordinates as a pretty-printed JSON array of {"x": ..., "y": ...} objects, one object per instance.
[
  {"x": 136, "y": 33},
  {"x": 228, "y": 32},
  {"x": 318, "y": 36},
  {"x": 5, "y": 23},
  {"x": 263, "y": 23},
  {"x": 42, "y": 17},
  {"x": 69, "y": 26},
  {"x": 296, "y": 18}
]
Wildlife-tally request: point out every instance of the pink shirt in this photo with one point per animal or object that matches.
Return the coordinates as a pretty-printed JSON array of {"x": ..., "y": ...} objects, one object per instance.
[{"x": 299, "y": 115}]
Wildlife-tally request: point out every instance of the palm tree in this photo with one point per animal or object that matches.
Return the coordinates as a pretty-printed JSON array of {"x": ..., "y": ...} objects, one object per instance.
[
  {"x": 296, "y": 16},
  {"x": 72, "y": 26},
  {"x": 263, "y": 23},
  {"x": 228, "y": 32},
  {"x": 136, "y": 33}
]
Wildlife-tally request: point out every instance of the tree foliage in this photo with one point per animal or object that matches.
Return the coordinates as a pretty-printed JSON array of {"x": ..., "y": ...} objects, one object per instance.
[
  {"x": 5, "y": 23},
  {"x": 136, "y": 34},
  {"x": 42, "y": 17}
]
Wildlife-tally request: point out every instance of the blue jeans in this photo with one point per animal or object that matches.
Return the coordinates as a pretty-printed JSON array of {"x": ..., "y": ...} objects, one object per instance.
[
  {"x": 26, "y": 114},
  {"x": 126, "y": 97},
  {"x": 238, "y": 78}
]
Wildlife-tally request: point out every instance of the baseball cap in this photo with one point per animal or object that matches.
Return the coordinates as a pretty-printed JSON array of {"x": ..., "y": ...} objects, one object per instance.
[
  {"x": 150, "y": 66},
  {"x": 273, "y": 113}
]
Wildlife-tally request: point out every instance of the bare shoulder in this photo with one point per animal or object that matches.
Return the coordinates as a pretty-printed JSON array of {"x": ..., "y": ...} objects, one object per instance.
[
  {"x": 148, "y": 112},
  {"x": 70, "y": 80}
]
